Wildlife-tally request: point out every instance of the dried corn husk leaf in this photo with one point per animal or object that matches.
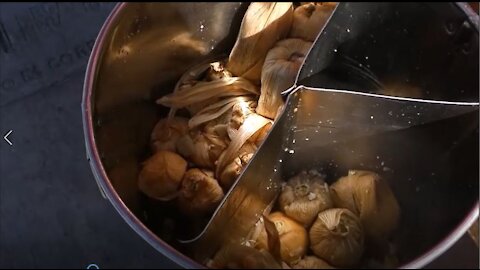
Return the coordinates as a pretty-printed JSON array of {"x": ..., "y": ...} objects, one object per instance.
[
  {"x": 260, "y": 135},
  {"x": 237, "y": 117},
  {"x": 166, "y": 133},
  {"x": 213, "y": 111},
  {"x": 262, "y": 26},
  {"x": 279, "y": 73},
  {"x": 161, "y": 175},
  {"x": 216, "y": 71},
  {"x": 310, "y": 18},
  {"x": 312, "y": 262},
  {"x": 235, "y": 168},
  {"x": 304, "y": 196},
  {"x": 293, "y": 238},
  {"x": 337, "y": 237},
  {"x": 237, "y": 108},
  {"x": 240, "y": 112},
  {"x": 236, "y": 256},
  {"x": 273, "y": 238},
  {"x": 189, "y": 79},
  {"x": 200, "y": 193},
  {"x": 252, "y": 124},
  {"x": 205, "y": 91},
  {"x": 219, "y": 126},
  {"x": 370, "y": 197}
]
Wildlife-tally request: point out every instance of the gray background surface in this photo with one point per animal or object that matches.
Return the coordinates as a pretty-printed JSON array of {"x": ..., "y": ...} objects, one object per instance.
[{"x": 51, "y": 212}]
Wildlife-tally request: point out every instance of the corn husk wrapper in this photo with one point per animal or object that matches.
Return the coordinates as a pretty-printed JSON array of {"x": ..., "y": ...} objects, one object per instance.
[
  {"x": 204, "y": 91},
  {"x": 202, "y": 148},
  {"x": 231, "y": 111},
  {"x": 187, "y": 80},
  {"x": 304, "y": 196},
  {"x": 337, "y": 237},
  {"x": 279, "y": 73},
  {"x": 219, "y": 126},
  {"x": 166, "y": 133},
  {"x": 262, "y": 26},
  {"x": 292, "y": 237},
  {"x": 258, "y": 137},
  {"x": 309, "y": 19},
  {"x": 252, "y": 124},
  {"x": 235, "y": 168},
  {"x": 312, "y": 262},
  {"x": 370, "y": 197},
  {"x": 240, "y": 112},
  {"x": 217, "y": 71},
  {"x": 161, "y": 175},
  {"x": 200, "y": 193}
]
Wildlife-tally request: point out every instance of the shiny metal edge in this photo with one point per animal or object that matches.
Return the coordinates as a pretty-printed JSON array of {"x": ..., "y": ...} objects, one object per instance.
[
  {"x": 174, "y": 255},
  {"x": 95, "y": 161},
  {"x": 446, "y": 243},
  {"x": 463, "y": 227}
]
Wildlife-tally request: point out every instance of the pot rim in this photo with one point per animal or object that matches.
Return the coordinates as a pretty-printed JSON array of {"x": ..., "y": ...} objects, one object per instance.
[
  {"x": 94, "y": 159},
  {"x": 174, "y": 255},
  {"x": 467, "y": 222}
]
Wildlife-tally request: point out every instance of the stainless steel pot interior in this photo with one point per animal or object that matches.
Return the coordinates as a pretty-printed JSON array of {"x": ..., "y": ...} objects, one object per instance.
[
  {"x": 416, "y": 50},
  {"x": 142, "y": 50}
]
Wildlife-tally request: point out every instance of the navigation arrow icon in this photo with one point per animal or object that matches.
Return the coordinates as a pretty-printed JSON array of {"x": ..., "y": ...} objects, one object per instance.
[{"x": 6, "y": 139}]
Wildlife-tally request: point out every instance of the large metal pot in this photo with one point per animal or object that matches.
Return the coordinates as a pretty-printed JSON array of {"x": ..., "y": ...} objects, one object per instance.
[{"x": 140, "y": 52}]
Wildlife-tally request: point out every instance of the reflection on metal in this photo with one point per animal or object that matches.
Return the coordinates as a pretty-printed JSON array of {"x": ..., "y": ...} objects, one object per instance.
[
  {"x": 428, "y": 153},
  {"x": 334, "y": 131},
  {"x": 386, "y": 48},
  {"x": 250, "y": 195},
  {"x": 141, "y": 51}
]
